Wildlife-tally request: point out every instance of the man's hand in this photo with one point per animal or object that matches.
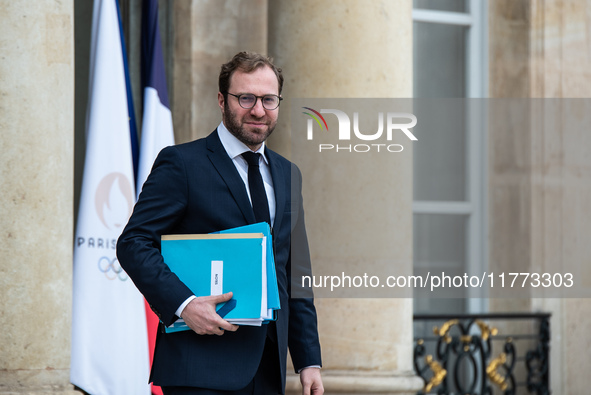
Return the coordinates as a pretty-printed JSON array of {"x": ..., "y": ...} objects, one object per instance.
[
  {"x": 311, "y": 381},
  {"x": 200, "y": 315}
]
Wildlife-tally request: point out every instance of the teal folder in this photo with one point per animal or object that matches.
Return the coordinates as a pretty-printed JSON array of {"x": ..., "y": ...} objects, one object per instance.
[
  {"x": 237, "y": 260},
  {"x": 272, "y": 289}
]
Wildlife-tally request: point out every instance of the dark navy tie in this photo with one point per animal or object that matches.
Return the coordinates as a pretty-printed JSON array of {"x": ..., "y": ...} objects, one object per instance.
[
  {"x": 260, "y": 206},
  {"x": 258, "y": 196}
]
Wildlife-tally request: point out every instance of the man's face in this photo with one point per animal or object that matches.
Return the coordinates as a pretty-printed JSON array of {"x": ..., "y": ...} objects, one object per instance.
[{"x": 251, "y": 126}]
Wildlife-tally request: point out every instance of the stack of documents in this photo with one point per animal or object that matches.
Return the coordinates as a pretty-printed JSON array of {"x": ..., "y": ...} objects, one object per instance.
[{"x": 238, "y": 260}]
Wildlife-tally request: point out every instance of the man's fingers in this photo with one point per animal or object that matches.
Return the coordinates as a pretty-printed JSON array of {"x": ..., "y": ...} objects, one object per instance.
[
  {"x": 200, "y": 315},
  {"x": 227, "y": 326},
  {"x": 311, "y": 381},
  {"x": 223, "y": 324},
  {"x": 221, "y": 298},
  {"x": 217, "y": 326},
  {"x": 218, "y": 331}
]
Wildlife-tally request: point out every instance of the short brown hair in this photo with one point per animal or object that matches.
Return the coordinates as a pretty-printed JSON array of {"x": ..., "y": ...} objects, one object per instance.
[{"x": 246, "y": 62}]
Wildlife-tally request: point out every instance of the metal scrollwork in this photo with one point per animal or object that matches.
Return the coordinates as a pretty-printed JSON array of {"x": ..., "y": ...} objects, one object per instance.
[
  {"x": 461, "y": 361},
  {"x": 444, "y": 331},
  {"x": 537, "y": 362},
  {"x": 486, "y": 330},
  {"x": 438, "y": 373},
  {"x": 493, "y": 375}
]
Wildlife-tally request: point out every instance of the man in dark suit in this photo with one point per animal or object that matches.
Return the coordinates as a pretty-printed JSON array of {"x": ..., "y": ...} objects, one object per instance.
[{"x": 205, "y": 186}]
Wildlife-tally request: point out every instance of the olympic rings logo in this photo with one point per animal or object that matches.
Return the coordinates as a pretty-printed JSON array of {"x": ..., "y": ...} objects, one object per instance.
[{"x": 112, "y": 269}]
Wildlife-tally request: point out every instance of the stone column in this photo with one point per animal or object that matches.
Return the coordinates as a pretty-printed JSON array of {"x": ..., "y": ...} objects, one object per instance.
[
  {"x": 36, "y": 208},
  {"x": 207, "y": 33},
  {"x": 540, "y": 179},
  {"x": 352, "y": 49}
]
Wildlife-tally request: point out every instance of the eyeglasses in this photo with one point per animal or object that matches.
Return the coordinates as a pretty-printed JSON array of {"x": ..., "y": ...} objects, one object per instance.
[{"x": 248, "y": 100}]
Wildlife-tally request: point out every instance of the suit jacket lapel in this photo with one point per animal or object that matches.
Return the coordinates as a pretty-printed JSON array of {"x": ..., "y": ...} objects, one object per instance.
[
  {"x": 279, "y": 185},
  {"x": 225, "y": 167}
]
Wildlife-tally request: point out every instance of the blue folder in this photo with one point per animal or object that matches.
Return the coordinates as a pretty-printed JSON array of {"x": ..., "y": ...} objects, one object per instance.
[
  {"x": 272, "y": 289},
  {"x": 190, "y": 257}
]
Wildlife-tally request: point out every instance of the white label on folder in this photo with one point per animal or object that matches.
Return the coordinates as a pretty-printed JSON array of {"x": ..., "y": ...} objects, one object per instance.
[{"x": 217, "y": 277}]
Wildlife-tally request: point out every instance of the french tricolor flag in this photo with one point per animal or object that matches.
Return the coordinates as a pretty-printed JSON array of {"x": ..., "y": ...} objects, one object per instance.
[{"x": 157, "y": 131}]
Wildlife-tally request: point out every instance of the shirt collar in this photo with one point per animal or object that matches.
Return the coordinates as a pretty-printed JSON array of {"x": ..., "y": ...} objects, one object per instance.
[{"x": 235, "y": 147}]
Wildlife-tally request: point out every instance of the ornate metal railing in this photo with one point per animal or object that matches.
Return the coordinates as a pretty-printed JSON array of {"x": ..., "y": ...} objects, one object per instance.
[{"x": 467, "y": 354}]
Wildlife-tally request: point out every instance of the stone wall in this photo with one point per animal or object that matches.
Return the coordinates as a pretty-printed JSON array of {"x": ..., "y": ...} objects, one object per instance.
[
  {"x": 540, "y": 177},
  {"x": 36, "y": 208}
]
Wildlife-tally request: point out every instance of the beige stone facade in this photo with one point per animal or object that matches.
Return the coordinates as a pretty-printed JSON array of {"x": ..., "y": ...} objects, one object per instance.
[
  {"x": 540, "y": 192},
  {"x": 539, "y": 197},
  {"x": 36, "y": 180},
  {"x": 539, "y": 189}
]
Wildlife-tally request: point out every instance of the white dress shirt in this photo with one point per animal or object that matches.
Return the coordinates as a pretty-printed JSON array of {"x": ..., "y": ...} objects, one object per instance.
[{"x": 235, "y": 148}]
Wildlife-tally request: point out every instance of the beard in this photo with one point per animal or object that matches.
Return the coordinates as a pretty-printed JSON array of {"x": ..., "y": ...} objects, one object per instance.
[{"x": 237, "y": 127}]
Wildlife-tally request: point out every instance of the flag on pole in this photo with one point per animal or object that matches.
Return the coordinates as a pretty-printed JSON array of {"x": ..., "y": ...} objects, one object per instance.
[
  {"x": 157, "y": 131},
  {"x": 109, "y": 341}
]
